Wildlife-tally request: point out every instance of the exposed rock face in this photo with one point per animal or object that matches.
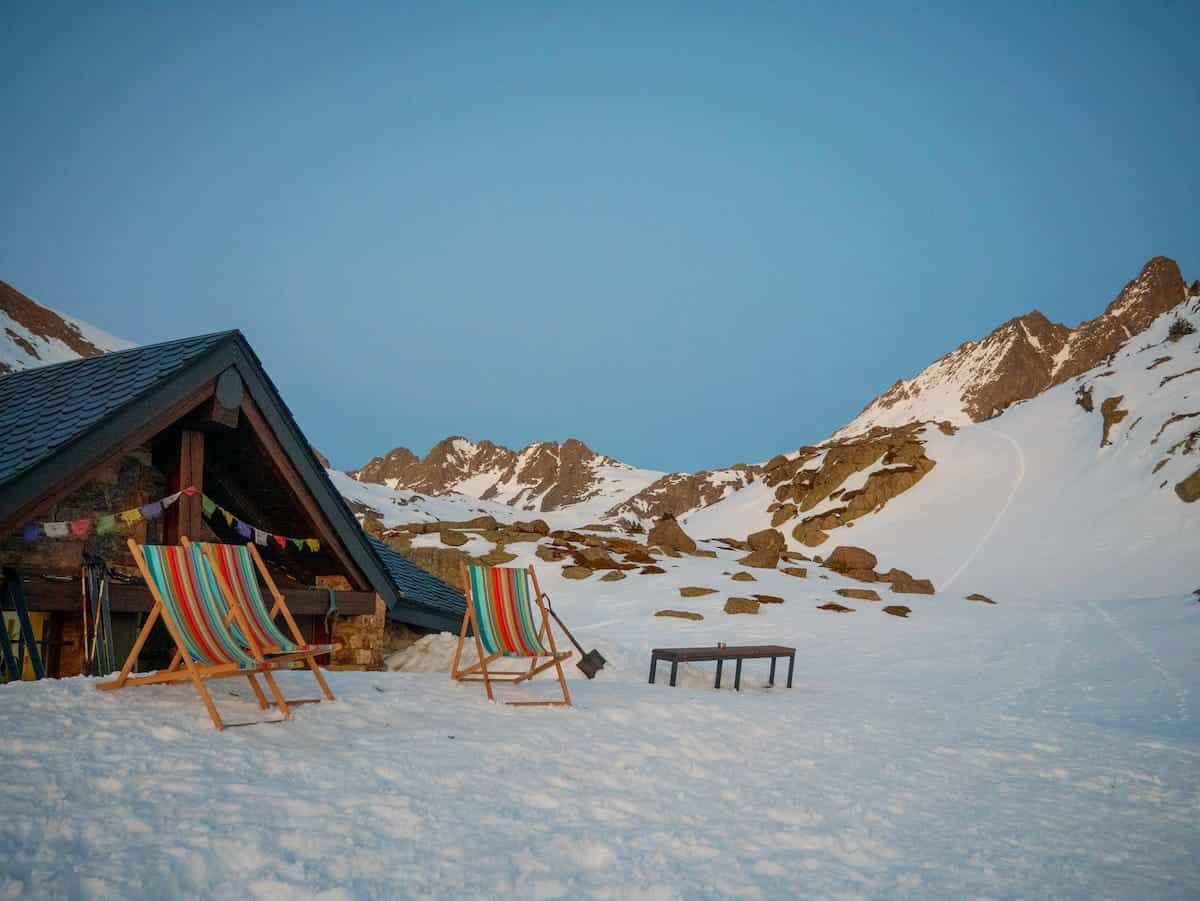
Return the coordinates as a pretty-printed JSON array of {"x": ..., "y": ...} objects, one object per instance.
[
  {"x": 896, "y": 457},
  {"x": 898, "y": 610},
  {"x": 861, "y": 594},
  {"x": 768, "y": 598},
  {"x": 34, "y": 335},
  {"x": 741, "y": 605},
  {"x": 1024, "y": 357},
  {"x": 669, "y": 535},
  {"x": 912, "y": 586},
  {"x": 614, "y": 575},
  {"x": 576, "y": 572},
  {"x": 980, "y": 597},
  {"x": 543, "y": 476},
  {"x": 391, "y": 469},
  {"x": 743, "y": 577},
  {"x": 451, "y": 538},
  {"x": 798, "y": 571},
  {"x": 652, "y": 570},
  {"x": 678, "y": 493},
  {"x": 1189, "y": 489},
  {"x": 680, "y": 614},
  {"x": 846, "y": 558},
  {"x": 695, "y": 592},
  {"x": 1112, "y": 413},
  {"x": 835, "y": 607},
  {"x": 765, "y": 549}
]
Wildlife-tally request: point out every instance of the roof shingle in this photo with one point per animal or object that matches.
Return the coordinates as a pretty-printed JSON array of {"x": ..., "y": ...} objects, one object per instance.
[
  {"x": 44, "y": 408},
  {"x": 418, "y": 586}
]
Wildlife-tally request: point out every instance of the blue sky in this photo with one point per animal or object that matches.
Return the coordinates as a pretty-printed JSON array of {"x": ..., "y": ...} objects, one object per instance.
[{"x": 689, "y": 234}]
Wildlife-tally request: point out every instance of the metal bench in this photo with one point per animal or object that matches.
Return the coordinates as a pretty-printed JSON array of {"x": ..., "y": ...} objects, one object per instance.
[{"x": 676, "y": 656}]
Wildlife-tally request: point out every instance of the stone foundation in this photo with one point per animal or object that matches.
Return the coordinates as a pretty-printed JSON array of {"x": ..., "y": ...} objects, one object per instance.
[{"x": 361, "y": 637}]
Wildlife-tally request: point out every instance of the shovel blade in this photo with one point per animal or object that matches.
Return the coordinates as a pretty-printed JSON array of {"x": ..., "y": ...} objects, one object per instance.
[{"x": 591, "y": 663}]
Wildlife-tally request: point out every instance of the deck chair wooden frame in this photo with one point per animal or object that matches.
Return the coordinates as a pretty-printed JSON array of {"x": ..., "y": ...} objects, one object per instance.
[
  {"x": 267, "y": 637},
  {"x": 185, "y": 667},
  {"x": 540, "y": 658}
]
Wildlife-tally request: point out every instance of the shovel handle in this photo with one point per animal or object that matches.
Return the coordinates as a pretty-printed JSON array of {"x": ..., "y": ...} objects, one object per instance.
[{"x": 562, "y": 625}]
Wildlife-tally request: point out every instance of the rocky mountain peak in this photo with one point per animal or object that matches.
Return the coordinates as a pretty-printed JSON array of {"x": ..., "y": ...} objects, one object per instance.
[
  {"x": 388, "y": 469},
  {"x": 1023, "y": 357},
  {"x": 542, "y": 476}
]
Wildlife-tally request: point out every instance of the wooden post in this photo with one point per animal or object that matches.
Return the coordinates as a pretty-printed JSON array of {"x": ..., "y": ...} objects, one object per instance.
[{"x": 184, "y": 519}]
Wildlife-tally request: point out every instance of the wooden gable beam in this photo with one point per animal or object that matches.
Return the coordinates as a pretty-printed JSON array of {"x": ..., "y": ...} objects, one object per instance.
[{"x": 283, "y": 463}]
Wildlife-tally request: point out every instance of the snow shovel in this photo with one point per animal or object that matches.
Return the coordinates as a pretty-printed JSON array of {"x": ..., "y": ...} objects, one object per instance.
[{"x": 590, "y": 662}]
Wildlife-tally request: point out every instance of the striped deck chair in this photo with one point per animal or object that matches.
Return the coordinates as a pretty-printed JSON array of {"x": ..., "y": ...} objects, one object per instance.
[
  {"x": 237, "y": 568},
  {"x": 187, "y": 596},
  {"x": 501, "y": 618}
]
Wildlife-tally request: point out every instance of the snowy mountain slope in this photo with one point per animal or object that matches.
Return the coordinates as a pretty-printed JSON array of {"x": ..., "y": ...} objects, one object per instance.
[
  {"x": 1023, "y": 357},
  {"x": 35, "y": 335},
  {"x": 1030, "y": 502},
  {"x": 541, "y": 478},
  {"x": 398, "y": 506}
]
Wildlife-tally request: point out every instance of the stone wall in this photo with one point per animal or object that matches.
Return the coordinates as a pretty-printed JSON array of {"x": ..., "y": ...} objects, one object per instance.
[
  {"x": 130, "y": 481},
  {"x": 361, "y": 637}
]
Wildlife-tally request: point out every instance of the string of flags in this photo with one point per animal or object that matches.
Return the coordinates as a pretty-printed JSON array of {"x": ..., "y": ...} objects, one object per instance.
[
  {"x": 211, "y": 509},
  {"x": 108, "y": 523}
]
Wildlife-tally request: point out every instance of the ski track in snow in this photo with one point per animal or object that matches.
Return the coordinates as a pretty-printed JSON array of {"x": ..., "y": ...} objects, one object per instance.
[
  {"x": 1020, "y": 479},
  {"x": 1034, "y": 756}
]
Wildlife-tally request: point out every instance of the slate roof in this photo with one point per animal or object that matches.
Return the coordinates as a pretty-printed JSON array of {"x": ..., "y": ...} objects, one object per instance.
[
  {"x": 44, "y": 408},
  {"x": 415, "y": 584}
]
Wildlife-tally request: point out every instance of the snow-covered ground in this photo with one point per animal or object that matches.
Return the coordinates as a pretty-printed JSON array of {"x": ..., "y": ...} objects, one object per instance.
[{"x": 1047, "y": 749}]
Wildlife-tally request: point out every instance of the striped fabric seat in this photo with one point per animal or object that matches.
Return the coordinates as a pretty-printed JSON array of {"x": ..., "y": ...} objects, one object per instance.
[
  {"x": 192, "y": 599},
  {"x": 234, "y": 563},
  {"x": 501, "y": 599}
]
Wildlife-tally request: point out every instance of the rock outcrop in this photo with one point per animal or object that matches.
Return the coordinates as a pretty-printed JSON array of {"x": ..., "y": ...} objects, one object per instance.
[
  {"x": 1189, "y": 489},
  {"x": 741, "y": 605},
  {"x": 861, "y": 594},
  {"x": 669, "y": 535},
  {"x": 765, "y": 549}
]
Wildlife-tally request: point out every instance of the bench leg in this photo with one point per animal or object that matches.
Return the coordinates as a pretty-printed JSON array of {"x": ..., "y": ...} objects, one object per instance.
[
  {"x": 791, "y": 666},
  {"x": 737, "y": 676},
  {"x": 674, "y": 670},
  {"x": 719, "y": 661},
  {"x": 653, "y": 668},
  {"x": 771, "y": 678}
]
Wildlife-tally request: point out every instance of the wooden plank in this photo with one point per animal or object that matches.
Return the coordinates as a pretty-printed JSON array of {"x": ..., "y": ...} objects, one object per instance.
[
  {"x": 745, "y": 652},
  {"x": 186, "y": 468},
  {"x": 46, "y": 596}
]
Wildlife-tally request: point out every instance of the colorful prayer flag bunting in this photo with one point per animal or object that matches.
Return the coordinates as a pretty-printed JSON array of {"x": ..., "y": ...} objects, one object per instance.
[
  {"x": 129, "y": 517},
  {"x": 55, "y": 529},
  {"x": 105, "y": 524},
  {"x": 81, "y": 527},
  {"x": 31, "y": 532}
]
